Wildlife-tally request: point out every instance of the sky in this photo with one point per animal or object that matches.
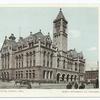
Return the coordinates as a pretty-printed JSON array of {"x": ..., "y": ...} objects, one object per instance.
[{"x": 82, "y": 27}]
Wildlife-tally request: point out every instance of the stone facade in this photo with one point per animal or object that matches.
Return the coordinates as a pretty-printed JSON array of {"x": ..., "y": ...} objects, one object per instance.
[
  {"x": 91, "y": 76},
  {"x": 38, "y": 58}
]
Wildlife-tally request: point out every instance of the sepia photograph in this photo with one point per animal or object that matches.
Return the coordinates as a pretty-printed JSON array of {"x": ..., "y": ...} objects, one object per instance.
[{"x": 49, "y": 48}]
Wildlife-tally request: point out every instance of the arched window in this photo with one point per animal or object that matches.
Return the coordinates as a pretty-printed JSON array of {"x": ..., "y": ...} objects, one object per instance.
[
  {"x": 75, "y": 77},
  {"x": 71, "y": 77},
  {"x": 63, "y": 77}
]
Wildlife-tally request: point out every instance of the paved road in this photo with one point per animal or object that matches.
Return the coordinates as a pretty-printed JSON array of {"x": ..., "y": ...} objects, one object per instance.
[{"x": 10, "y": 85}]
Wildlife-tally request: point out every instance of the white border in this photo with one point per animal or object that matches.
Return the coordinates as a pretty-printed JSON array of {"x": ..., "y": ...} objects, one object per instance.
[{"x": 51, "y": 92}]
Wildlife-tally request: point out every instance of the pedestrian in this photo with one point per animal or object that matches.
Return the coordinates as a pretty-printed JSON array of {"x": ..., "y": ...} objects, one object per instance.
[
  {"x": 76, "y": 85},
  {"x": 69, "y": 86},
  {"x": 29, "y": 85},
  {"x": 82, "y": 86}
]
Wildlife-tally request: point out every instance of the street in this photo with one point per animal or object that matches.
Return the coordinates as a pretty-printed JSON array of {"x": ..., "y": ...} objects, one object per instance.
[{"x": 11, "y": 85}]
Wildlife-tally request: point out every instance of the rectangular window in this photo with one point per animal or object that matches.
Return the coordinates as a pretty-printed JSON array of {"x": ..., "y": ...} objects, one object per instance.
[
  {"x": 44, "y": 74},
  {"x": 33, "y": 58},
  {"x": 33, "y": 74},
  {"x": 27, "y": 74},
  {"x": 21, "y": 74}
]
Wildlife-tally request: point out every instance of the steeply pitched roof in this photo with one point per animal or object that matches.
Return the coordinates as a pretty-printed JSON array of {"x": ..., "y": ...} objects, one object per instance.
[{"x": 60, "y": 16}]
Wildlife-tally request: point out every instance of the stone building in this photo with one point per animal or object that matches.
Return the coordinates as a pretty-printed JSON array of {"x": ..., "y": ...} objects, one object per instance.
[
  {"x": 39, "y": 58},
  {"x": 91, "y": 76}
]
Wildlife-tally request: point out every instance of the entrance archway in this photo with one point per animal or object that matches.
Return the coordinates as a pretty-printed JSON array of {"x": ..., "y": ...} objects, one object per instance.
[
  {"x": 71, "y": 77},
  {"x": 63, "y": 77},
  {"x": 75, "y": 78},
  {"x": 67, "y": 78},
  {"x": 58, "y": 77}
]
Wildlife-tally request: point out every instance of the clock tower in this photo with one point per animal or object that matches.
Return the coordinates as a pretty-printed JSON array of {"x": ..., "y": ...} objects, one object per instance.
[{"x": 60, "y": 32}]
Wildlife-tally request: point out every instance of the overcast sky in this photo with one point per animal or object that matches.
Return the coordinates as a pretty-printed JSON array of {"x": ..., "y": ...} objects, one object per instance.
[{"x": 82, "y": 27}]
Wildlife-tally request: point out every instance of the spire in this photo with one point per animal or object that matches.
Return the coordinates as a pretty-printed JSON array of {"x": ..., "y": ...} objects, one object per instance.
[{"x": 60, "y": 16}]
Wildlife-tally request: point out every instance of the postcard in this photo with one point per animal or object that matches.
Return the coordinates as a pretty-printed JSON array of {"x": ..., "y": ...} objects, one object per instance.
[{"x": 49, "y": 50}]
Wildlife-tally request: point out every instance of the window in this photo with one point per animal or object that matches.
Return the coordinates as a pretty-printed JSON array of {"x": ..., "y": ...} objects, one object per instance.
[
  {"x": 64, "y": 64},
  {"x": 48, "y": 59},
  {"x": 30, "y": 74},
  {"x": 16, "y": 75},
  {"x": 47, "y": 74},
  {"x": 33, "y": 58},
  {"x": 19, "y": 60},
  {"x": 75, "y": 66},
  {"x": 58, "y": 62},
  {"x": 5, "y": 60},
  {"x": 51, "y": 60},
  {"x": 50, "y": 74},
  {"x": 26, "y": 73},
  {"x": 16, "y": 61},
  {"x": 2, "y": 61},
  {"x": 27, "y": 59},
  {"x": 33, "y": 73},
  {"x": 22, "y": 60},
  {"x": 8, "y": 60},
  {"x": 44, "y": 74},
  {"x": 21, "y": 74},
  {"x": 44, "y": 58},
  {"x": 30, "y": 59}
]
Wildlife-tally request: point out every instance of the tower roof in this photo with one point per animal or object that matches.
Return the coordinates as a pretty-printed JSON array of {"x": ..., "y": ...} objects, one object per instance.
[{"x": 60, "y": 16}]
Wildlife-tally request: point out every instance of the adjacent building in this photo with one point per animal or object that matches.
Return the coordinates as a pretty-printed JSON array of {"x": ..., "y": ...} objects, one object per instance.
[
  {"x": 91, "y": 76},
  {"x": 39, "y": 58}
]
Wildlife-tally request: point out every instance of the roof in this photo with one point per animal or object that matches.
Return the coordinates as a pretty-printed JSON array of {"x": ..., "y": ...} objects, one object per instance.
[
  {"x": 35, "y": 38},
  {"x": 60, "y": 16}
]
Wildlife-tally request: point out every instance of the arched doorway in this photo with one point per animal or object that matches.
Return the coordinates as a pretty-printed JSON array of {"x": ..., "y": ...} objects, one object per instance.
[
  {"x": 75, "y": 78},
  {"x": 58, "y": 77},
  {"x": 63, "y": 77},
  {"x": 71, "y": 77},
  {"x": 4, "y": 75},
  {"x": 67, "y": 78}
]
